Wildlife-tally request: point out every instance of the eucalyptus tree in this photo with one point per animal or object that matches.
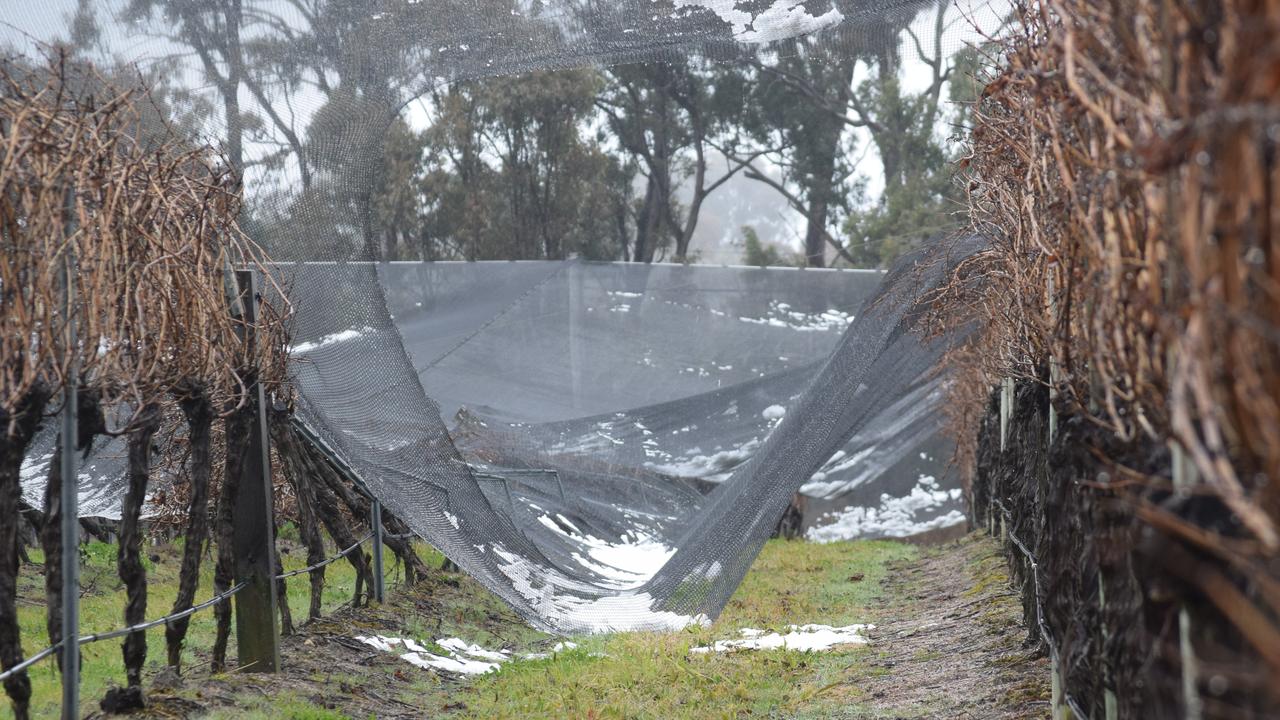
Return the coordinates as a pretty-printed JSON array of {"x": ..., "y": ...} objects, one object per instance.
[
  {"x": 511, "y": 167},
  {"x": 675, "y": 121}
]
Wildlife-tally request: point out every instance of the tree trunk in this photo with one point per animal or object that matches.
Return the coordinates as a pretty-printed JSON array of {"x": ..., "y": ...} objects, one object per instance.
[
  {"x": 815, "y": 240},
  {"x": 199, "y": 415},
  {"x": 414, "y": 568},
  {"x": 22, "y": 428},
  {"x": 129, "y": 555},
  {"x": 647, "y": 225}
]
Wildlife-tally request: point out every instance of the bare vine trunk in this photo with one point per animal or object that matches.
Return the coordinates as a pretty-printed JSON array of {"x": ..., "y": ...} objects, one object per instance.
[
  {"x": 360, "y": 506},
  {"x": 282, "y": 595},
  {"x": 341, "y": 533},
  {"x": 199, "y": 415},
  {"x": 308, "y": 525},
  {"x": 129, "y": 556},
  {"x": 330, "y": 513},
  {"x": 21, "y": 428}
]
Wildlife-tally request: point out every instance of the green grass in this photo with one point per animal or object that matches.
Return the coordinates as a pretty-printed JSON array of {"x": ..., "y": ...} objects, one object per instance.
[
  {"x": 102, "y": 609},
  {"x": 633, "y": 675},
  {"x": 647, "y": 675}
]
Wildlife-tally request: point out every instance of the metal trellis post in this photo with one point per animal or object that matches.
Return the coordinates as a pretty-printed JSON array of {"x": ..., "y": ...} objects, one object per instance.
[
  {"x": 70, "y": 494},
  {"x": 375, "y": 523},
  {"x": 1006, "y": 401},
  {"x": 257, "y": 625}
]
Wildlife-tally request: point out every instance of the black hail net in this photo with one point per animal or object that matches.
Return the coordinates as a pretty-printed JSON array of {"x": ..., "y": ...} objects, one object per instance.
[{"x": 518, "y": 415}]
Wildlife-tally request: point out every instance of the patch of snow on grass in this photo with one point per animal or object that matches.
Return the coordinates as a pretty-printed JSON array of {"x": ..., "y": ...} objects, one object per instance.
[
  {"x": 460, "y": 658},
  {"x": 625, "y": 565},
  {"x": 803, "y": 638},
  {"x": 572, "y": 606}
]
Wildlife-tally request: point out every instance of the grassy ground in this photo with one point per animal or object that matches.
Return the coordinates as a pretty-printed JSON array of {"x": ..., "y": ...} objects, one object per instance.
[
  {"x": 653, "y": 675},
  {"x": 946, "y": 645},
  {"x": 102, "y": 608}
]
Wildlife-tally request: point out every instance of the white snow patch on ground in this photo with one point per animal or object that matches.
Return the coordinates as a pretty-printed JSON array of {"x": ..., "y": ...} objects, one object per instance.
[
  {"x": 573, "y": 606},
  {"x": 331, "y": 339},
  {"x": 895, "y": 517},
  {"x": 803, "y": 638},
  {"x": 459, "y": 657},
  {"x": 625, "y": 565}
]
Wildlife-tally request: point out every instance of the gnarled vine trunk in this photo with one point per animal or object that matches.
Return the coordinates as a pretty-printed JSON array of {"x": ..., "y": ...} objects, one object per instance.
[
  {"x": 129, "y": 555},
  {"x": 199, "y": 414},
  {"x": 20, "y": 428},
  {"x": 299, "y": 478}
]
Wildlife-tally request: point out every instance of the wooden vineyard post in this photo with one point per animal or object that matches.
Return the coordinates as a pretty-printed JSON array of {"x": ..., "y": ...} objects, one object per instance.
[
  {"x": 375, "y": 522},
  {"x": 257, "y": 626},
  {"x": 70, "y": 490}
]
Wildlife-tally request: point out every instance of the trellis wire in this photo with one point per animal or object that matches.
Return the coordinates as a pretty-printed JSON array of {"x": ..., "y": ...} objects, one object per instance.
[
  {"x": 29, "y": 662},
  {"x": 1040, "y": 621},
  {"x": 167, "y": 618},
  {"x": 327, "y": 561},
  {"x": 86, "y": 639}
]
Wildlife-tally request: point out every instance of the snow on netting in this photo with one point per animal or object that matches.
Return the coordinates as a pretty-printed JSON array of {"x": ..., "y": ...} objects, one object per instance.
[{"x": 603, "y": 445}]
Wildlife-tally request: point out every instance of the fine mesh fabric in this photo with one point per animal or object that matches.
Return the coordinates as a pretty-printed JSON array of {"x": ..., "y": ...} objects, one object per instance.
[{"x": 549, "y": 490}]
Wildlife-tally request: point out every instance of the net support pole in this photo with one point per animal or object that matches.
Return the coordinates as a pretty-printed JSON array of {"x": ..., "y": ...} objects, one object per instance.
[
  {"x": 560, "y": 486},
  {"x": 375, "y": 523},
  {"x": 257, "y": 626},
  {"x": 511, "y": 501},
  {"x": 1006, "y": 410},
  {"x": 69, "y": 498}
]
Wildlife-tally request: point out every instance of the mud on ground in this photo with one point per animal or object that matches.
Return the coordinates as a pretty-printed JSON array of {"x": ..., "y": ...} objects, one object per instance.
[{"x": 950, "y": 643}]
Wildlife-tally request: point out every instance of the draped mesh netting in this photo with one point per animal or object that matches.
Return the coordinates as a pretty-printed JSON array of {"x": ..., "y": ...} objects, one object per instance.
[{"x": 603, "y": 445}]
